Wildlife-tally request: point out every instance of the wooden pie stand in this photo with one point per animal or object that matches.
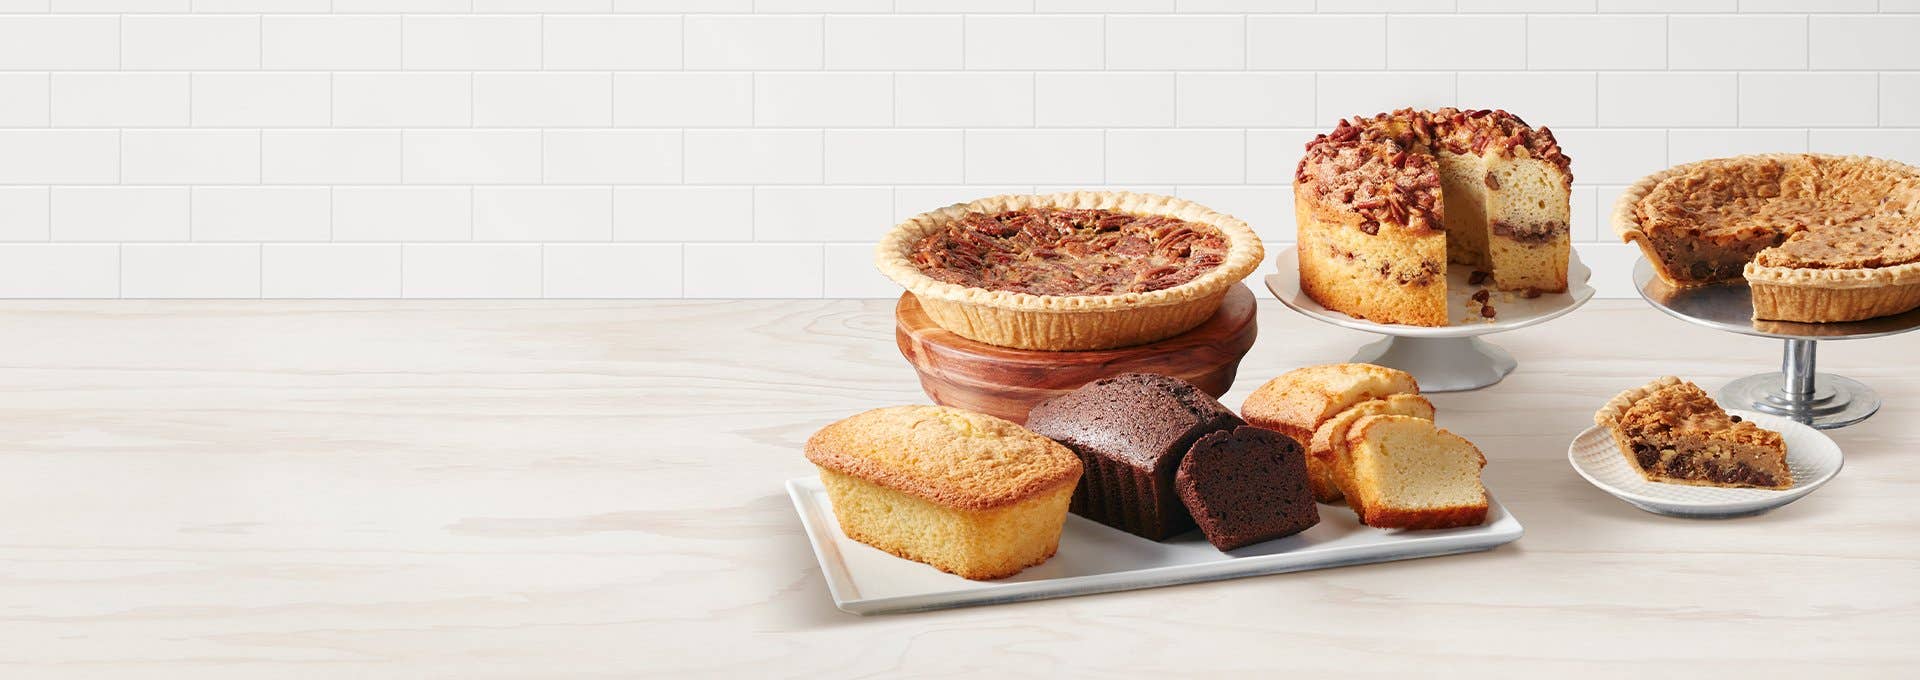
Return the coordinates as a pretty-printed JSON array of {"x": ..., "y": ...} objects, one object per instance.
[{"x": 1007, "y": 382}]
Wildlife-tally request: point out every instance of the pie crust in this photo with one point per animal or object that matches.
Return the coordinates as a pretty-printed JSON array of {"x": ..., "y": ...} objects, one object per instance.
[
  {"x": 1783, "y": 292},
  {"x": 1070, "y": 322}
]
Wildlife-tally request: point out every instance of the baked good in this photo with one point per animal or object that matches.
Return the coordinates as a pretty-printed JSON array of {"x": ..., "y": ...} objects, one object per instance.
[
  {"x": 1297, "y": 402},
  {"x": 1328, "y": 450},
  {"x": 968, "y": 493},
  {"x": 1408, "y": 474},
  {"x": 1130, "y": 432},
  {"x": 1070, "y": 271},
  {"x": 1817, "y": 238},
  {"x": 1384, "y": 203},
  {"x": 1245, "y": 486},
  {"x": 1672, "y": 432}
]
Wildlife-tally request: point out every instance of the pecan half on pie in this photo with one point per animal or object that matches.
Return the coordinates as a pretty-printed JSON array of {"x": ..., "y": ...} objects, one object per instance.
[
  {"x": 1070, "y": 271},
  {"x": 1817, "y": 238},
  {"x": 1384, "y": 203}
]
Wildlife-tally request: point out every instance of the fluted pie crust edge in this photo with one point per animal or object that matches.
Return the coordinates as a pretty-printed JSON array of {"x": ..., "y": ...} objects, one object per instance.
[
  {"x": 1789, "y": 293},
  {"x": 1070, "y": 322}
]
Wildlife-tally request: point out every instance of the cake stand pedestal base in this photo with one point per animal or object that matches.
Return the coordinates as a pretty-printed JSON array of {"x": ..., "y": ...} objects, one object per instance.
[
  {"x": 1798, "y": 392},
  {"x": 1441, "y": 364}
]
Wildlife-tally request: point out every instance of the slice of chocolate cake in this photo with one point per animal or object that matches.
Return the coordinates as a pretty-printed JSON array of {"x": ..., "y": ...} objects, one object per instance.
[
  {"x": 1247, "y": 486},
  {"x": 1131, "y": 431}
]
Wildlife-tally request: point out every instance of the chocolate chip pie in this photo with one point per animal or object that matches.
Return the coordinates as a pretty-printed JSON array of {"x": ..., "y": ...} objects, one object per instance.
[
  {"x": 1817, "y": 238},
  {"x": 1671, "y": 431},
  {"x": 1070, "y": 271}
]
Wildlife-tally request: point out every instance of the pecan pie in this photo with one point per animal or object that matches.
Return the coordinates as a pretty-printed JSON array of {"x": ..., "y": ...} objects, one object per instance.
[
  {"x": 1070, "y": 271},
  {"x": 1817, "y": 238},
  {"x": 1384, "y": 203},
  {"x": 1671, "y": 431}
]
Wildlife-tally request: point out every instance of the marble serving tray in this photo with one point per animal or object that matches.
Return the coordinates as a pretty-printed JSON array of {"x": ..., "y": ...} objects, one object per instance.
[{"x": 1095, "y": 558}]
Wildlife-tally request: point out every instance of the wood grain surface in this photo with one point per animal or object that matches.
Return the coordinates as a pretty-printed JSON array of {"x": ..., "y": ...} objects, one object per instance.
[
  {"x": 570, "y": 489},
  {"x": 1008, "y": 382}
]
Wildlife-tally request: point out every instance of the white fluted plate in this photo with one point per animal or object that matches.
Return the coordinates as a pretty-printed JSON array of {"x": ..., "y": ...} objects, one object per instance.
[{"x": 1811, "y": 455}]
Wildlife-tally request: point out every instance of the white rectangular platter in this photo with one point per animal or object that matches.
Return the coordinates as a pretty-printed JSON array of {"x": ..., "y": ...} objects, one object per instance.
[{"x": 1095, "y": 558}]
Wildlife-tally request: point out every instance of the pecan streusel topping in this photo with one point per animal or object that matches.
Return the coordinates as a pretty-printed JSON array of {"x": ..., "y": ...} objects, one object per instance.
[{"x": 1383, "y": 166}]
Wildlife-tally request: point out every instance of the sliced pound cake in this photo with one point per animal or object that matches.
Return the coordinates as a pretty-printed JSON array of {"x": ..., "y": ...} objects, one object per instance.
[
  {"x": 1408, "y": 474},
  {"x": 1300, "y": 400},
  {"x": 1328, "y": 450},
  {"x": 965, "y": 492}
]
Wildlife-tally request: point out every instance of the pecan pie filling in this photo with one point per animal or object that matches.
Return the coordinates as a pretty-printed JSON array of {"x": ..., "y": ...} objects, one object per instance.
[{"x": 1059, "y": 251}]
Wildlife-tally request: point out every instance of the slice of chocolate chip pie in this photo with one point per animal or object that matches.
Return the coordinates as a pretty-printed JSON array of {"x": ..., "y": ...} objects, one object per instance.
[{"x": 1672, "y": 432}]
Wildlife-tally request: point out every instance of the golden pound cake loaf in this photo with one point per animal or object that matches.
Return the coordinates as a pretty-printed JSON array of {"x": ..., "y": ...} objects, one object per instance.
[
  {"x": 1671, "y": 431},
  {"x": 1329, "y": 444},
  {"x": 1408, "y": 474},
  {"x": 1382, "y": 204},
  {"x": 1299, "y": 401},
  {"x": 967, "y": 493}
]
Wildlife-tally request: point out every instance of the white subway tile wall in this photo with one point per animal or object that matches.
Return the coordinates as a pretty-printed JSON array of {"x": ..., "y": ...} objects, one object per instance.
[{"x": 757, "y": 148}]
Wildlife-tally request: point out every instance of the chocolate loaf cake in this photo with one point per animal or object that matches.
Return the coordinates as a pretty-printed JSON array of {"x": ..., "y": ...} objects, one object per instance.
[
  {"x": 1130, "y": 432},
  {"x": 1246, "y": 486}
]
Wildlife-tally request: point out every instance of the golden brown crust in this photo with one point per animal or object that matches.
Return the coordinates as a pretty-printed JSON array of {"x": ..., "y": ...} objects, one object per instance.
[
  {"x": 1296, "y": 402},
  {"x": 1070, "y": 322},
  {"x": 1611, "y": 412},
  {"x": 952, "y": 457},
  {"x": 1434, "y": 518}
]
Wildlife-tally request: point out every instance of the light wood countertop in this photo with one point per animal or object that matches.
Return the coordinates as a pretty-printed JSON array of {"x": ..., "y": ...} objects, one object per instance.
[{"x": 537, "y": 489}]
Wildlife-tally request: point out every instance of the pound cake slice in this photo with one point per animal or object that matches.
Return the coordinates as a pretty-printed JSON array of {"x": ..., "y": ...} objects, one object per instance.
[
  {"x": 1408, "y": 474},
  {"x": 1246, "y": 486},
  {"x": 1672, "y": 432},
  {"x": 1328, "y": 450},
  {"x": 967, "y": 493},
  {"x": 1130, "y": 432},
  {"x": 1299, "y": 401}
]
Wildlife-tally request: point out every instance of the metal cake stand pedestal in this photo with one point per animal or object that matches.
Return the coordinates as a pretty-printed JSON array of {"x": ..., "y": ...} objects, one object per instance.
[
  {"x": 1797, "y": 391},
  {"x": 1445, "y": 358}
]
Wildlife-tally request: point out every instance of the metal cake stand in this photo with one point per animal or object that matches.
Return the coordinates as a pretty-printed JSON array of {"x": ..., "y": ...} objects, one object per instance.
[
  {"x": 1445, "y": 358},
  {"x": 1797, "y": 391}
]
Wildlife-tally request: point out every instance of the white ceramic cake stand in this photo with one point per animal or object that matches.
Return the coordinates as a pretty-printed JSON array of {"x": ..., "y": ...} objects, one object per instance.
[
  {"x": 1447, "y": 358},
  {"x": 1796, "y": 391}
]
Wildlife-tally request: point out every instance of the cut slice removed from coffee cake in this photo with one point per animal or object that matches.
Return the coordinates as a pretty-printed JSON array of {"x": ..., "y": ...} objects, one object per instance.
[{"x": 1672, "y": 432}]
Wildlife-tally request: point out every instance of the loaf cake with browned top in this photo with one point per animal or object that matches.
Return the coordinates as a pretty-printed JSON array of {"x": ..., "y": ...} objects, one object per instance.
[
  {"x": 965, "y": 492},
  {"x": 1383, "y": 203},
  {"x": 1131, "y": 432}
]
